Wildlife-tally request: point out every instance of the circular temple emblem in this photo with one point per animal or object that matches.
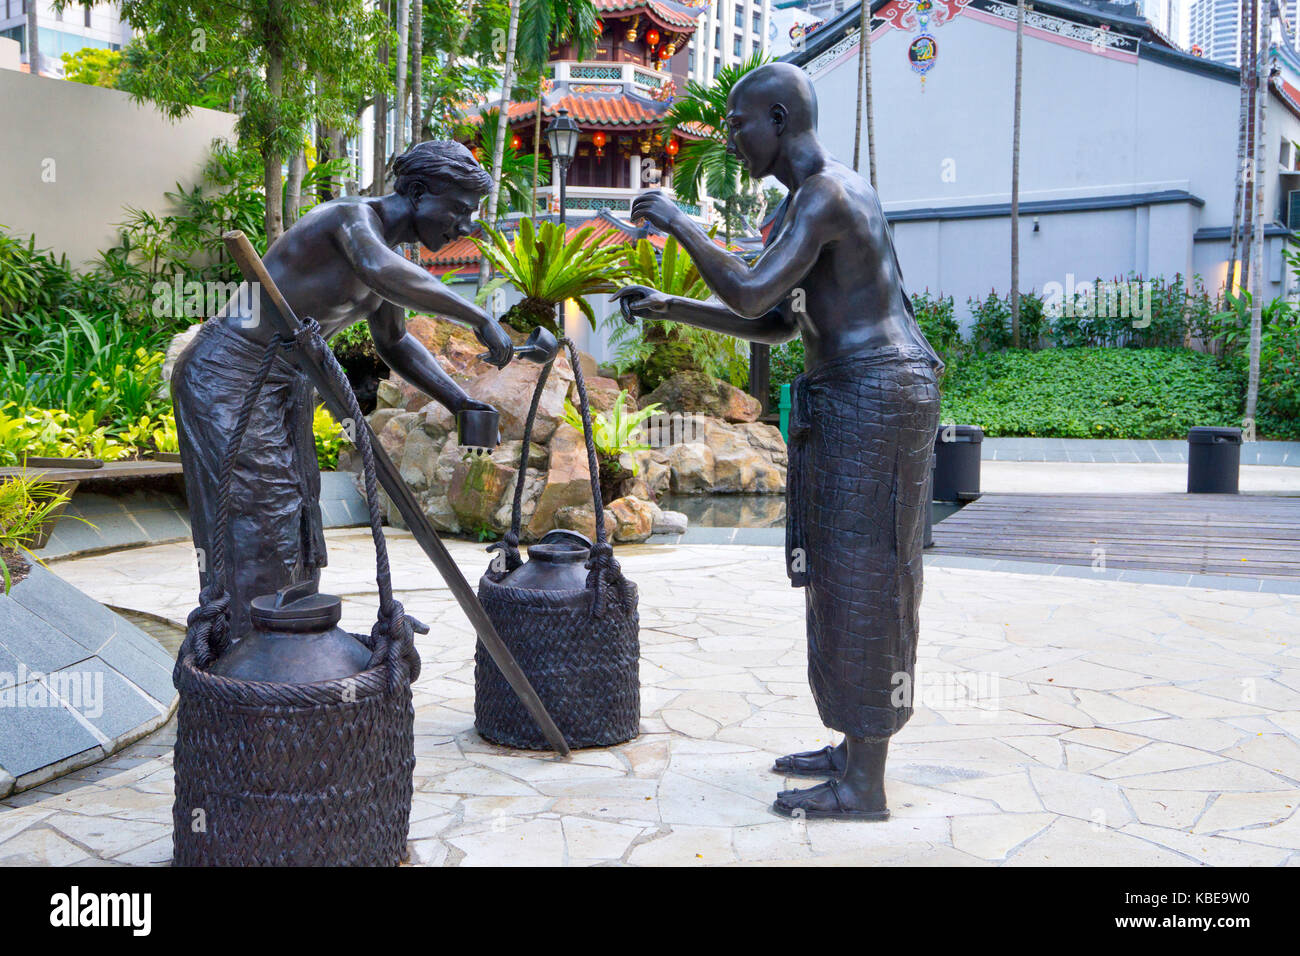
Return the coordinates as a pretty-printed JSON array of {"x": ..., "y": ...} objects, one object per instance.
[{"x": 922, "y": 52}]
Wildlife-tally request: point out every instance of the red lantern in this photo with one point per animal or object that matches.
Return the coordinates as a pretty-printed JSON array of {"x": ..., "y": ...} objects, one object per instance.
[
  {"x": 652, "y": 37},
  {"x": 673, "y": 147},
  {"x": 598, "y": 139},
  {"x": 516, "y": 141}
]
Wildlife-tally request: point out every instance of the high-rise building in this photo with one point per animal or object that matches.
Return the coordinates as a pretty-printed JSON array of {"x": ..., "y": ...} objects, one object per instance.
[
  {"x": 1214, "y": 28},
  {"x": 730, "y": 32},
  {"x": 63, "y": 31}
]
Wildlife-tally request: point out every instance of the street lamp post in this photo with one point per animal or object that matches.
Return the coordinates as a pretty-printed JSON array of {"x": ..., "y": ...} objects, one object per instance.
[{"x": 562, "y": 137}]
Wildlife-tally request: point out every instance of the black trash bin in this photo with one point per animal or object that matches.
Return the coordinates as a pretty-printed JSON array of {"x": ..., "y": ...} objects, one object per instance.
[
  {"x": 957, "y": 462},
  {"x": 1213, "y": 460}
]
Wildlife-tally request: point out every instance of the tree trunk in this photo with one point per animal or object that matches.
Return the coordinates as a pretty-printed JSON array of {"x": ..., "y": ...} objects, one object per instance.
[
  {"x": 537, "y": 141},
  {"x": 1257, "y": 212},
  {"x": 864, "y": 98},
  {"x": 399, "y": 100},
  {"x": 379, "y": 136},
  {"x": 864, "y": 37},
  {"x": 1231, "y": 284},
  {"x": 498, "y": 149},
  {"x": 271, "y": 158},
  {"x": 1015, "y": 177},
  {"x": 293, "y": 187},
  {"x": 417, "y": 70},
  {"x": 33, "y": 40}
]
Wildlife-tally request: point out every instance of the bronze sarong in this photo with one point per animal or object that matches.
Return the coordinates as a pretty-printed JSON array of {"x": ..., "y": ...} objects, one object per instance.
[
  {"x": 862, "y": 435},
  {"x": 275, "y": 536}
]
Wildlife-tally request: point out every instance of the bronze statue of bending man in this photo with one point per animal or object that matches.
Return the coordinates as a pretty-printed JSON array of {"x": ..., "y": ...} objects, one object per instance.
[
  {"x": 338, "y": 265},
  {"x": 862, "y": 428}
]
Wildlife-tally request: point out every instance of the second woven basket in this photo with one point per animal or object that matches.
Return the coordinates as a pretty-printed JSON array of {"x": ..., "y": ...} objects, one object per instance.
[{"x": 580, "y": 647}]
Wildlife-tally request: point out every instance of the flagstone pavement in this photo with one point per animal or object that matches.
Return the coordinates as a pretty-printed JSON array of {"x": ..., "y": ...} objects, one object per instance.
[{"x": 1061, "y": 721}]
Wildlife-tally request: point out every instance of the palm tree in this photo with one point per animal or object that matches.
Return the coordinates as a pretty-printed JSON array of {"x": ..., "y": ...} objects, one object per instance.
[
  {"x": 417, "y": 69},
  {"x": 864, "y": 96},
  {"x": 1015, "y": 177},
  {"x": 706, "y": 162},
  {"x": 515, "y": 179},
  {"x": 1243, "y": 127},
  {"x": 33, "y": 40},
  {"x": 1264, "y": 60},
  {"x": 542, "y": 23},
  {"x": 507, "y": 82}
]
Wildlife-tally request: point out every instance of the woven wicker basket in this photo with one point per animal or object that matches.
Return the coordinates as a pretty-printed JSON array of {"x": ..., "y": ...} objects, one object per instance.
[
  {"x": 272, "y": 774},
  {"x": 579, "y": 648}
]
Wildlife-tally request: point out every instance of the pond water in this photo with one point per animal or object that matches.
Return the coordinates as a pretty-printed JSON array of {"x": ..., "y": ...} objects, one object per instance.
[{"x": 750, "y": 511}]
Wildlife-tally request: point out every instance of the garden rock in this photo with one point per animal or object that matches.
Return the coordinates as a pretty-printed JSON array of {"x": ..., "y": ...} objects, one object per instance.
[
  {"x": 692, "y": 468},
  {"x": 670, "y": 522},
  {"x": 633, "y": 519},
  {"x": 695, "y": 392},
  {"x": 568, "y": 481}
]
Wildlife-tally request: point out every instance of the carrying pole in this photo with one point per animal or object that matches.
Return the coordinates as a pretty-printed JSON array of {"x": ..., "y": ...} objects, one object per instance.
[{"x": 287, "y": 324}]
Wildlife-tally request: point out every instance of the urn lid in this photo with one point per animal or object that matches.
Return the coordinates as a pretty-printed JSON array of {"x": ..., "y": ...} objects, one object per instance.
[
  {"x": 297, "y": 608},
  {"x": 561, "y": 547}
]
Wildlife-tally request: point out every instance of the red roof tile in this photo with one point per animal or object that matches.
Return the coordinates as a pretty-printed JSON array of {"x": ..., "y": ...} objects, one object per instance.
[{"x": 682, "y": 14}]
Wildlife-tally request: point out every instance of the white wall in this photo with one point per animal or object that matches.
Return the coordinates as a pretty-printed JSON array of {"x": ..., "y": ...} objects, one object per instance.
[
  {"x": 76, "y": 155},
  {"x": 1093, "y": 126}
]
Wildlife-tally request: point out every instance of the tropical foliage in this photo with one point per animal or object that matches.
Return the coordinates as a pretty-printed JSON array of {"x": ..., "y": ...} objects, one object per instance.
[
  {"x": 615, "y": 433},
  {"x": 516, "y": 170},
  {"x": 658, "y": 349},
  {"x": 26, "y": 504},
  {"x": 547, "y": 270}
]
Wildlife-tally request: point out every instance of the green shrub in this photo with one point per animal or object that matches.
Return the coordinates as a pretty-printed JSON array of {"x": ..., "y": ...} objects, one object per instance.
[
  {"x": 786, "y": 365},
  {"x": 1092, "y": 393},
  {"x": 26, "y": 504}
]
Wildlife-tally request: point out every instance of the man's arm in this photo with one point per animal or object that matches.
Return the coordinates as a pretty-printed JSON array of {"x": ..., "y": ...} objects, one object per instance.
[
  {"x": 407, "y": 356},
  {"x": 770, "y": 328},
  {"x": 810, "y": 223}
]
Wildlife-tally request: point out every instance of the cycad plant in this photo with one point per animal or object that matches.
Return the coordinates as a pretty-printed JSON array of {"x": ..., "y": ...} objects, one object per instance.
[
  {"x": 661, "y": 348},
  {"x": 548, "y": 270},
  {"x": 706, "y": 162}
]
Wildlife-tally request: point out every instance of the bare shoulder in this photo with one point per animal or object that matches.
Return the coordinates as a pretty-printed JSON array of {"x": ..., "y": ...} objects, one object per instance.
[{"x": 827, "y": 197}]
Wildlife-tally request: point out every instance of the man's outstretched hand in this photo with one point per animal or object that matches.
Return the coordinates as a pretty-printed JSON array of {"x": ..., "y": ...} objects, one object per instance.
[
  {"x": 641, "y": 300},
  {"x": 656, "y": 208},
  {"x": 500, "y": 349}
]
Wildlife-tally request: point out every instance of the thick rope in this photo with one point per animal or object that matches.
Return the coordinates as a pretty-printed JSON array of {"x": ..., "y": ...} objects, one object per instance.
[
  {"x": 509, "y": 545},
  {"x": 394, "y": 631},
  {"x": 602, "y": 564}
]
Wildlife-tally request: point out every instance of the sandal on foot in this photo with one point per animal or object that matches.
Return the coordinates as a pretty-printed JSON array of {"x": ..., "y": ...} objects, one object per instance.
[
  {"x": 787, "y": 767},
  {"x": 839, "y": 813}
]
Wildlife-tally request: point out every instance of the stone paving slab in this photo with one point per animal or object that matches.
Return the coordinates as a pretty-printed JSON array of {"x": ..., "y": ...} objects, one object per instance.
[{"x": 1060, "y": 721}]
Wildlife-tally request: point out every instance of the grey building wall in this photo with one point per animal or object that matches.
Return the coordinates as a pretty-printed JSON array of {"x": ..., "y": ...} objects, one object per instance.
[
  {"x": 1123, "y": 160},
  {"x": 75, "y": 155}
]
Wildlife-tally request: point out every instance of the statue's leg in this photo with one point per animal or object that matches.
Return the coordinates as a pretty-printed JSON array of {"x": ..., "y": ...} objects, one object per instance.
[
  {"x": 827, "y": 762},
  {"x": 857, "y": 795}
]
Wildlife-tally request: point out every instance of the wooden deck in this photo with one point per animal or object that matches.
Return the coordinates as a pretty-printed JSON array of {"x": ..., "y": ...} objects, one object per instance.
[{"x": 1254, "y": 536}]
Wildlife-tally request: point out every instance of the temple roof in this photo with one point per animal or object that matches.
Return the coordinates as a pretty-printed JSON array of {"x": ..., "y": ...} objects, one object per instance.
[{"x": 673, "y": 14}]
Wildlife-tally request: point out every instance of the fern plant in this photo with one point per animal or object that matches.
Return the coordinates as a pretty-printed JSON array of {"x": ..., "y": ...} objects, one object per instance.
[
  {"x": 614, "y": 433},
  {"x": 660, "y": 348},
  {"x": 548, "y": 270}
]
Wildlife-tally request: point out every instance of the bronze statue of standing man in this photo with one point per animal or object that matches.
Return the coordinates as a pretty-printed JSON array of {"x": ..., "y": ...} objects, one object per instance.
[{"x": 862, "y": 426}]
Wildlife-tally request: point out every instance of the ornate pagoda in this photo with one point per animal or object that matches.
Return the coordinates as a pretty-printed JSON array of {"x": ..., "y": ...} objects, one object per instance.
[{"x": 619, "y": 98}]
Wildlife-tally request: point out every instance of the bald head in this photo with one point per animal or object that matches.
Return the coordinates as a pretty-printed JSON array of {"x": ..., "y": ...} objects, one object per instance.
[
  {"x": 772, "y": 118},
  {"x": 778, "y": 84}
]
